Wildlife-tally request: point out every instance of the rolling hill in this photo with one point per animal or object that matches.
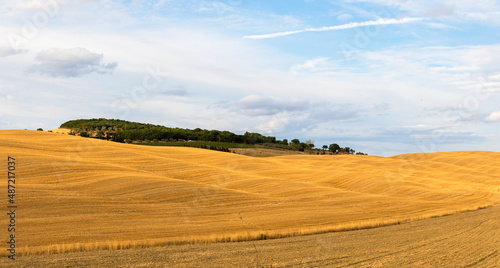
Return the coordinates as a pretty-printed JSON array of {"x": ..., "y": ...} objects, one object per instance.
[{"x": 78, "y": 194}]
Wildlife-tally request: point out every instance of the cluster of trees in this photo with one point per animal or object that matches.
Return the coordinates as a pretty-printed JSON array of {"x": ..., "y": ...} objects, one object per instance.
[
  {"x": 124, "y": 131},
  {"x": 295, "y": 144},
  {"x": 120, "y": 130},
  {"x": 336, "y": 149}
]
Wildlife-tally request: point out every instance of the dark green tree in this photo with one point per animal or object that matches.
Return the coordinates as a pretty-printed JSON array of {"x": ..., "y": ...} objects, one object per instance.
[{"x": 334, "y": 148}]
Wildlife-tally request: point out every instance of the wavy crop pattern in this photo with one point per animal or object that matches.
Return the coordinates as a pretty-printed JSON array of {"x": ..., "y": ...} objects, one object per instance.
[{"x": 81, "y": 194}]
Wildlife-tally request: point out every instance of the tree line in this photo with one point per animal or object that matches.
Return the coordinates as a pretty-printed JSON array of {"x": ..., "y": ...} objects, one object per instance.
[{"x": 121, "y": 131}]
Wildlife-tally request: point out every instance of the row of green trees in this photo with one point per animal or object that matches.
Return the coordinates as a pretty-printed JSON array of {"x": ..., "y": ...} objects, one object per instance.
[
  {"x": 121, "y": 131},
  {"x": 336, "y": 149}
]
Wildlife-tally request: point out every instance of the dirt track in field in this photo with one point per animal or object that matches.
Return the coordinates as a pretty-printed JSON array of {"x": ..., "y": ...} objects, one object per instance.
[{"x": 469, "y": 239}]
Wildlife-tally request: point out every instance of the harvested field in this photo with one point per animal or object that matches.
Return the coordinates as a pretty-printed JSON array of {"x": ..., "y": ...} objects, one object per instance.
[
  {"x": 470, "y": 239},
  {"x": 77, "y": 194}
]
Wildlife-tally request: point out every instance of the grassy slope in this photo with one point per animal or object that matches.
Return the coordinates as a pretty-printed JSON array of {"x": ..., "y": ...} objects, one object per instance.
[{"x": 82, "y": 194}]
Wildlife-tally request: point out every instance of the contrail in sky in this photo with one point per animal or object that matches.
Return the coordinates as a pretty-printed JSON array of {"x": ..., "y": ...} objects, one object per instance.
[{"x": 338, "y": 27}]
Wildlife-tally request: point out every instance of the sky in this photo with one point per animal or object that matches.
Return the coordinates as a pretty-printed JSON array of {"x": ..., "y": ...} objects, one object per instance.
[{"x": 384, "y": 77}]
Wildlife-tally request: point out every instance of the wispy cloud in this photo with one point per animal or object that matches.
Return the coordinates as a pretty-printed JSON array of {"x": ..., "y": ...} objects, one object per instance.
[{"x": 337, "y": 27}]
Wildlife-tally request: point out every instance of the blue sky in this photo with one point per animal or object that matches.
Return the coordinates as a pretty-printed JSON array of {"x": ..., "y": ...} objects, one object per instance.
[{"x": 384, "y": 77}]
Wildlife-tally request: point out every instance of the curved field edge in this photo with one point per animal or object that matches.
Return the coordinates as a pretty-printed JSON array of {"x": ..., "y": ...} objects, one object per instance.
[
  {"x": 224, "y": 238},
  {"x": 82, "y": 195},
  {"x": 461, "y": 240}
]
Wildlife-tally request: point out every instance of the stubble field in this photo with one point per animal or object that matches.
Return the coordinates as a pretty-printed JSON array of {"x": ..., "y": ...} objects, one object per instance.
[
  {"x": 83, "y": 195},
  {"x": 470, "y": 239}
]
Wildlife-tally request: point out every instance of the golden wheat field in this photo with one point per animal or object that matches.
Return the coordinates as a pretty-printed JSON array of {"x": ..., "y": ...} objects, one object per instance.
[{"x": 80, "y": 194}]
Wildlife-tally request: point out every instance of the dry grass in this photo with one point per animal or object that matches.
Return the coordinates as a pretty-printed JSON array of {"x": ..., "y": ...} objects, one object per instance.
[{"x": 77, "y": 194}]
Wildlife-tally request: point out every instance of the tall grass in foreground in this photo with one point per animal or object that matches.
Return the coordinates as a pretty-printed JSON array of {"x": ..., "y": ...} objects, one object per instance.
[{"x": 228, "y": 238}]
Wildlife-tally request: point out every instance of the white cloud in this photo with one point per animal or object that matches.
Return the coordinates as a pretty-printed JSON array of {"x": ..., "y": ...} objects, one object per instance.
[
  {"x": 276, "y": 125},
  {"x": 337, "y": 27},
  {"x": 9, "y": 51},
  {"x": 422, "y": 127},
  {"x": 16, "y": 4},
  {"x": 494, "y": 117},
  {"x": 256, "y": 105},
  {"x": 72, "y": 62},
  {"x": 318, "y": 64}
]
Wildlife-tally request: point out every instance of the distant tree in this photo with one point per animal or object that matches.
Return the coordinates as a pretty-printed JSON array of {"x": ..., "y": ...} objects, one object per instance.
[
  {"x": 294, "y": 144},
  {"x": 334, "y": 148},
  {"x": 302, "y": 146},
  {"x": 325, "y": 147},
  {"x": 39, "y": 129},
  {"x": 84, "y": 134}
]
